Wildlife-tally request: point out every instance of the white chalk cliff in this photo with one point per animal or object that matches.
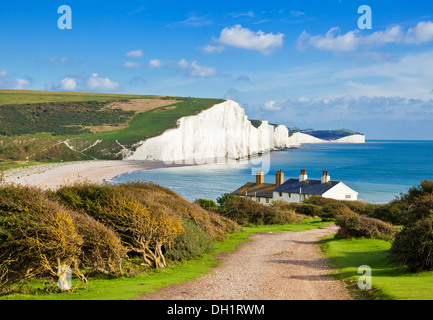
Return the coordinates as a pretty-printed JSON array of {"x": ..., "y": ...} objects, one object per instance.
[{"x": 222, "y": 131}]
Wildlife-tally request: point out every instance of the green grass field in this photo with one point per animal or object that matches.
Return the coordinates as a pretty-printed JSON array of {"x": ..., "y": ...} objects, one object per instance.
[
  {"x": 388, "y": 281},
  {"x": 28, "y": 96},
  {"x": 132, "y": 287}
]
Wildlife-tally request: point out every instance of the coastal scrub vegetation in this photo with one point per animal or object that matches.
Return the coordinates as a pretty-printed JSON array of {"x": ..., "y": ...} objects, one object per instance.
[
  {"x": 109, "y": 230},
  {"x": 406, "y": 222},
  {"x": 247, "y": 212}
]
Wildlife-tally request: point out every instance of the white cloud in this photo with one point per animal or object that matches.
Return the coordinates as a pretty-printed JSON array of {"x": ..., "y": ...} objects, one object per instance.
[
  {"x": 212, "y": 49},
  {"x": 61, "y": 60},
  {"x": 130, "y": 64},
  {"x": 423, "y": 32},
  {"x": 96, "y": 82},
  {"x": 271, "y": 106},
  {"x": 245, "y": 14},
  {"x": 20, "y": 84},
  {"x": 16, "y": 84},
  {"x": 155, "y": 63},
  {"x": 333, "y": 40},
  {"x": 357, "y": 108},
  {"x": 93, "y": 82},
  {"x": 193, "y": 69},
  {"x": 68, "y": 84},
  {"x": 243, "y": 38},
  {"x": 135, "y": 54},
  {"x": 195, "y": 21}
]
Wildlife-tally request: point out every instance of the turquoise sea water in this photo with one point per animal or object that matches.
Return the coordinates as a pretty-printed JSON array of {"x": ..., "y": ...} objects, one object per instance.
[{"x": 378, "y": 170}]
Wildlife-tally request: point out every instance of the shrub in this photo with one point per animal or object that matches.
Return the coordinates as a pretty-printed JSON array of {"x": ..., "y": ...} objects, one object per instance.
[
  {"x": 413, "y": 246},
  {"x": 424, "y": 188},
  {"x": 248, "y": 212},
  {"x": 216, "y": 226},
  {"x": 37, "y": 236},
  {"x": 329, "y": 209},
  {"x": 102, "y": 249},
  {"x": 207, "y": 204},
  {"x": 395, "y": 212},
  {"x": 144, "y": 229},
  {"x": 421, "y": 208},
  {"x": 357, "y": 226},
  {"x": 193, "y": 243}
]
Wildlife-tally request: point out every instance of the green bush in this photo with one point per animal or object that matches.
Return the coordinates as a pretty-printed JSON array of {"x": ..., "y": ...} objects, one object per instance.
[
  {"x": 207, "y": 204},
  {"x": 424, "y": 188},
  {"x": 248, "y": 212},
  {"x": 357, "y": 226},
  {"x": 102, "y": 249},
  {"x": 145, "y": 229},
  {"x": 37, "y": 236},
  {"x": 395, "y": 212},
  {"x": 191, "y": 244},
  {"x": 413, "y": 246}
]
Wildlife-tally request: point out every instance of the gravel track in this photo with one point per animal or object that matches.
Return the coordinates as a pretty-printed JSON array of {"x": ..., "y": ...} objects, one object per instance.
[{"x": 273, "y": 266}]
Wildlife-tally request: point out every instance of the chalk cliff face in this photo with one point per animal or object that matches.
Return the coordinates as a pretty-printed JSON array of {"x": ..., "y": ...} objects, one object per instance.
[
  {"x": 299, "y": 138},
  {"x": 222, "y": 131},
  {"x": 356, "y": 138}
]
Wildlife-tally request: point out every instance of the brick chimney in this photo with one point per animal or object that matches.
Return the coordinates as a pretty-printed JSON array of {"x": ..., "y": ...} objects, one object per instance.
[
  {"x": 303, "y": 176},
  {"x": 325, "y": 177},
  {"x": 279, "y": 178},
  {"x": 260, "y": 177}
]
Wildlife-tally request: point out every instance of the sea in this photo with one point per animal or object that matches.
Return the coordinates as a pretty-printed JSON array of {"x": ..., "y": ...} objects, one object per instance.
[{"x": 378, "y": 170}]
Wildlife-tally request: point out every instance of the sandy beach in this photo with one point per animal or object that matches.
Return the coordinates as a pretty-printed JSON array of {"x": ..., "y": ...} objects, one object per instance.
[{"x": 53, "y": 176}]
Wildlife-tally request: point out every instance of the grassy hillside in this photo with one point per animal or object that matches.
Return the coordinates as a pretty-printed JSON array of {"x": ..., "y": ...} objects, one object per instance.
[
  {"x": 28, "y": 96},
  {"x": 54, "y": 126}
]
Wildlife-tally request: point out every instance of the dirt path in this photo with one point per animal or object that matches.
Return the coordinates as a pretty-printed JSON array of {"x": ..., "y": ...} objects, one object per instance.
[{"x": 283, "y": 266}]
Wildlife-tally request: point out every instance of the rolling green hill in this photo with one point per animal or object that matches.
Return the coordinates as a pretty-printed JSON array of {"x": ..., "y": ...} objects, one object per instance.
[{"x": 53, "y": 126}]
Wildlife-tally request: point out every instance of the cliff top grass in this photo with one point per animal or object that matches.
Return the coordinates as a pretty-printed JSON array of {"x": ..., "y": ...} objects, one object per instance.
[{"x": 29, "y": 96}]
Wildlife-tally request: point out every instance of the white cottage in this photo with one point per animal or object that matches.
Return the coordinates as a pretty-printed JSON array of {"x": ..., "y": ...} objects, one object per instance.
[
  {"x": 295, "y": 190},
  {"x": 298, "y": 190}
]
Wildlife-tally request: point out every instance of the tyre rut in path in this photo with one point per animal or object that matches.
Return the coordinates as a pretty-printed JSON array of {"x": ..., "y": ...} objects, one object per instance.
[{"x": 273, "y": 266}]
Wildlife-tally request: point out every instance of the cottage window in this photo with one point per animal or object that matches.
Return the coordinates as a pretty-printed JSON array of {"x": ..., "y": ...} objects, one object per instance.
[
  {"x": 348, "y": 196},
  {"x": 280, "y": 194},
  {"x": 267, "y": 200},
  {"x": 290, "y": 195}
]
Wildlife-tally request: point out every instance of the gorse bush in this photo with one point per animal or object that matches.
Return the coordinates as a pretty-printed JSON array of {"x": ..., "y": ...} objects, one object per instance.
[
  {"x": 413, "y": 246},
  {"x": 207, "y": 204},
  {"x": 328, "y": 209},
  {"x": 248, "y": 212},
  {"x": 102, "y": 249},
  {"x": 358, "y": 226},
  {"x": 147, "y": 217},
  {"x": 143, "y": 229},
  {"x": 395, "y": 212},
  {"x": 107, "y": 229},
  {"x": 37, "y": 236},
  {"x": 191, "y": 244}
]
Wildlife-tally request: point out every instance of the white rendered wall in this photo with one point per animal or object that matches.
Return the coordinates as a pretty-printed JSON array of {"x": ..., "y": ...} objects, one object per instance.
[{"x": 340, "y": 191}]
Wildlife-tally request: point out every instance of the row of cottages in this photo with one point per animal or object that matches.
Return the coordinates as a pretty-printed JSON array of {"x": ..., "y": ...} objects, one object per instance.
[{"x": 295, "y": 190}]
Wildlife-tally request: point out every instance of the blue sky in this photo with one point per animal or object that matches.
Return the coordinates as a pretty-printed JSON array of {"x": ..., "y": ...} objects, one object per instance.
[{"x": 298, "y": 63}]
